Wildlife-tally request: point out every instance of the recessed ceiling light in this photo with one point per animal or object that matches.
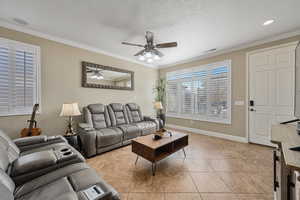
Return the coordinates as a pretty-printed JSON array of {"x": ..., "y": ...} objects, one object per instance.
[
  {"x": 20, "y": 21},
  {"x": 268, "y": 22}
]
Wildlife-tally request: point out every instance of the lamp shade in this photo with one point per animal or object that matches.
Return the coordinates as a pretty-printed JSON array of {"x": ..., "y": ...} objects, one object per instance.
[
  {"x": 70, "y": 109},
  {"x": 158, "y": 105}
]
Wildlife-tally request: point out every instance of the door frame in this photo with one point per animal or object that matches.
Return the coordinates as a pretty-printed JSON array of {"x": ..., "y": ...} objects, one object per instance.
[{"x": 248, "y": 54}]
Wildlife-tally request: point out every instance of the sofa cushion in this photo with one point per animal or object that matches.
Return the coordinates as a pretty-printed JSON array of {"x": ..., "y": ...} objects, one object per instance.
[
  {"x": 6, "y": 181},
  {"x": 58, "y": 189},
  {"x": 11, "y": 148},
  {"x": 108, "y": 136},
  {"x": 129, "y": 131},
  {"x": 5, "y": 193},
  {"x": 4, "y": 160},
  {"x": 99, "y": 120},
  {"x": 87, "y": 178},
  {"x": 33, "y": 161},
  {"x": 96, "y": 108},
  {"x": 97, "y": 116},
  {"x": 48, "y": 178},
  {"x": 83, "y": 179},
  {"x": 120, "y": 118},
  {"x": 134, "y": 112},
  {"x": 64, "y": 184},
  {"x": 118, "y": 114},
  {"x": 117, "y": 107}
]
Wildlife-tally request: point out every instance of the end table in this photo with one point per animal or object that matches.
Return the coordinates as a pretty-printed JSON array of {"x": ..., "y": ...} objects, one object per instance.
[{"x": 74, "y": 141}]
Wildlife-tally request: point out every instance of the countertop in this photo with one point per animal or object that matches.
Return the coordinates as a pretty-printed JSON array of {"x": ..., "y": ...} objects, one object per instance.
[{"x": 286, "y": 137}]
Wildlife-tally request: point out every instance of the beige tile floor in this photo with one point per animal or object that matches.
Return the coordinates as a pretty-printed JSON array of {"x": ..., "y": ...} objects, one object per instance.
[{"x": 214, "y": 169}]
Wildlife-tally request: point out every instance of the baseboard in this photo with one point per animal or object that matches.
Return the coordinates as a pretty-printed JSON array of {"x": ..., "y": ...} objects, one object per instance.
[
  {"x": 209, "y": 133},
  {"x": 262, "y": 142}
]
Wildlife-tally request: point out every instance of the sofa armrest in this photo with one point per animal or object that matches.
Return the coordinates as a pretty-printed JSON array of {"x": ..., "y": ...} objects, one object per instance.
[
  {"x": 32, "y": 142},
  {"x": 147, "y": 118},
  {"x": 85, "y": 126},
  {"x": 88, "y": 141}
]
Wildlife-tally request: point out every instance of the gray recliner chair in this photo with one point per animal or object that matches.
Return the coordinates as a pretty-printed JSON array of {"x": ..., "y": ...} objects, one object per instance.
[
  {"x": 147, "y": 125},
  {"x": 67, "y": 182},
  {"x": 119, "y": 118}
]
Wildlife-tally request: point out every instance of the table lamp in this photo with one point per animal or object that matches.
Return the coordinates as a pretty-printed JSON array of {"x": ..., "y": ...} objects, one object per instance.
[
  {"x": 70, "y": 110},
  {"x": 158, "y": 106}
]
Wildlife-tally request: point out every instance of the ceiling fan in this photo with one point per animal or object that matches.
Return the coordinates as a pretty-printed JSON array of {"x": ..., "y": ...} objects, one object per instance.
[
  {"x": 150, "y": 52},
  {"x": 95, "y": 73}
]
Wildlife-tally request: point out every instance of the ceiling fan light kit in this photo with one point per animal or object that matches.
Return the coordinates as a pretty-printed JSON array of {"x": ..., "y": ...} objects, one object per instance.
[
  {"x": 97, "y": 75},
  {"x": 150, "y": 52}
]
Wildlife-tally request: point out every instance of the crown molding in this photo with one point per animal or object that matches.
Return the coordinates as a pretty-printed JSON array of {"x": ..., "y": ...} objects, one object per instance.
[
  {"x": 235, "y": 48},
  {"x": 72, "y": 43}
]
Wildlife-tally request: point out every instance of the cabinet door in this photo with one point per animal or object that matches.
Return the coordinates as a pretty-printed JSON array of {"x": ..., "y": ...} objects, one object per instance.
[
  {"x": 284, "y": 175},
  {"x": 277, "y": 174},
  {"x": 295, "y": 191}
]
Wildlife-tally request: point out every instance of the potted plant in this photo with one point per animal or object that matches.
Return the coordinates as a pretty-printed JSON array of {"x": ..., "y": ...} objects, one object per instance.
[{"x": 160, "y": 95}]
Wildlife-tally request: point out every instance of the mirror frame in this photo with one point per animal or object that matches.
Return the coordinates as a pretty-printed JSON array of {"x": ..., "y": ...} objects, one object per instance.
[{"x": 84, "y": 82}]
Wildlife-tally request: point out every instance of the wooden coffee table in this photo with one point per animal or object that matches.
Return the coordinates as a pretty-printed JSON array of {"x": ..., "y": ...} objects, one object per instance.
[{"x": 156, "y": 150}]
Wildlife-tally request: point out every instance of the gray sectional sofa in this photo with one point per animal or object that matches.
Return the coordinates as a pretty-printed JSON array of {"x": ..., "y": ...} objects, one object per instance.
[
  {"x": 107, "y": 127},
  {"x": 47, "y": 168}
]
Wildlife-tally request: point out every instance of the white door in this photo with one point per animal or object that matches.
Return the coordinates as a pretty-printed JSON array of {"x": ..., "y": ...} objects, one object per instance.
[{"x": 271, "y": 88}]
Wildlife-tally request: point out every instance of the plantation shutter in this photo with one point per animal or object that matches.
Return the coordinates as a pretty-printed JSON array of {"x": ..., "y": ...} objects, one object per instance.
[
  {"x": 200, "y": 90},
  {"x": 19, "y": 77},
  {"x": 187, "y": 97},
  {"x": 172, "y": 97},
  {"x": 201, "y": 93},
  {"x": 217, "y": 92}
]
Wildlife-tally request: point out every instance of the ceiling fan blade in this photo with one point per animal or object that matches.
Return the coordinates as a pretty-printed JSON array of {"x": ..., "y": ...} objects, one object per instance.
[
  {"x": 132, "y": 44},
  {"x": 160, "y": 54},
  {"x": 139, "y": 53},
  {"x": 166, "y": 45},
  {"x": 149, "y": 37}
]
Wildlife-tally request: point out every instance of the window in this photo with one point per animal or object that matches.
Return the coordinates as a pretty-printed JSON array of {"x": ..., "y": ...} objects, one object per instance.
[
  {"x": 19, "y": 77},
  {"x": 201, "y": 93}
]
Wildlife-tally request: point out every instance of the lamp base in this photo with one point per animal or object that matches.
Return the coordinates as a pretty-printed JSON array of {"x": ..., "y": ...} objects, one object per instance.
[
  {"x": 162, "y": 120},
  {"x": 68, "y": 133},
  {"x": 70, "y": 130}
]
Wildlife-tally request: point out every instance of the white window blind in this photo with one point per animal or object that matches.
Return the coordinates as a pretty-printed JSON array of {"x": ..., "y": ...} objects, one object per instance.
[
  {"x": 172, "y": 97},
  {"x": 187, "y": 97},
  {"x": 19, "y": 77},
  {"x": 201, "y": 93}
]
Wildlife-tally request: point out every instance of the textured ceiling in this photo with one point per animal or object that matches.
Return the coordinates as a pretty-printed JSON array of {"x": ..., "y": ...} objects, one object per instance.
[{"x": 197, "y": 25}]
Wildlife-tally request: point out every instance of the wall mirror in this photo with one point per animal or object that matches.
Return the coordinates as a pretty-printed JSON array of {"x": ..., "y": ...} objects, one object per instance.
[{"x": 105, "y": 77}]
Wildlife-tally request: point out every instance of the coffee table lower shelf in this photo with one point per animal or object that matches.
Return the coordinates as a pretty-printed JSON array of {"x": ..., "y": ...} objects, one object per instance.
[{"x": 155, "y": 151}]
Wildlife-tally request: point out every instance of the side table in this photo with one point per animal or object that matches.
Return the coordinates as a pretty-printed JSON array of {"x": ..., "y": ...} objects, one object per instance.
[{"x": 74, "y": 141}]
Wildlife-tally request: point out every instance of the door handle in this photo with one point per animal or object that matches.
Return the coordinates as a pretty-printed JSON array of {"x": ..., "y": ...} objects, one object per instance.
[
  {"x": 252, "y": 110},
  {"x": 275, "y": 182}
]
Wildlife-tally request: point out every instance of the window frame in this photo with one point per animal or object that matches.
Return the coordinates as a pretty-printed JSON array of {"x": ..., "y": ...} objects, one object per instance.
[
  {"x": 194, "y": 116},
  {"x": 12, "y": 44}
]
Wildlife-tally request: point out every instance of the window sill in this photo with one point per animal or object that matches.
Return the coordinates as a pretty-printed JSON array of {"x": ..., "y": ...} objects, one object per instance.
[
  {"x": 205, "y": 119},
  {"x": 14, "y": 114},
  {"x": 25, "y": 113}
]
